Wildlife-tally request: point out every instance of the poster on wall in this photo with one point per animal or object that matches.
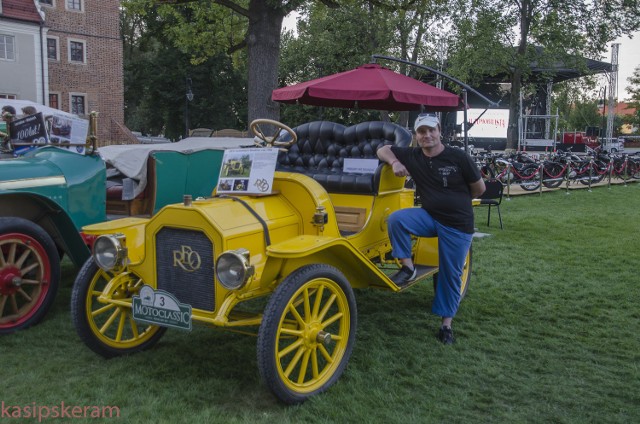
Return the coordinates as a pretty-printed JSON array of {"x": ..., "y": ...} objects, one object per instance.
[{"x": 247, "y": 171}]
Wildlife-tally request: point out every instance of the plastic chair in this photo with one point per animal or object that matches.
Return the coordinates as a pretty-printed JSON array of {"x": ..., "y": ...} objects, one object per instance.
[{"x": 492, "y": 197}]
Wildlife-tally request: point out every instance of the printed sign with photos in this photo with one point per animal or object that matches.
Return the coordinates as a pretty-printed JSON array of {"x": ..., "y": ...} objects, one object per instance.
[
  {"x": 247, "y": 171},
  {"x": 69, "y": 132}
]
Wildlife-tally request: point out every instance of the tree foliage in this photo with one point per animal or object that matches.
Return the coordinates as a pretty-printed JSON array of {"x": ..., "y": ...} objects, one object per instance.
[
  {"x": 156, "y": 72},
  {"x": 515, "y": 34},
  {"x": 329, "y": 41},
  {"x": 634, "y": 91},
  {"x": 236, "y": 53}
]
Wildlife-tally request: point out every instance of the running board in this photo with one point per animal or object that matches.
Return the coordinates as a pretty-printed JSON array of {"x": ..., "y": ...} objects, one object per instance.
[{"x": 423, "y": 272}]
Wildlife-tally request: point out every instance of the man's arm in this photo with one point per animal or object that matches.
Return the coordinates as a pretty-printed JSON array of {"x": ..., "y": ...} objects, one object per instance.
[
  {"x": 477, "y": 188},
  {"x": 386, "y": 155}
]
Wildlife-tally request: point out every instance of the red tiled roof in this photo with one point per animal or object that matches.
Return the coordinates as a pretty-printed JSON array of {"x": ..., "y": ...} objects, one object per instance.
[
  {"x": 23, "y": 10},
  {"x": 621, "y": 108}
]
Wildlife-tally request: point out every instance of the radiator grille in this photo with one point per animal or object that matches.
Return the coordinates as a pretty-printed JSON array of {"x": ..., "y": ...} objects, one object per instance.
[{"x": 184, "y": 260}]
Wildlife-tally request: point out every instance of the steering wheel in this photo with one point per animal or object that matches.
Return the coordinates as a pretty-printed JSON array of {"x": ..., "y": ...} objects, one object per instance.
[{"x": 271, "y": 141}]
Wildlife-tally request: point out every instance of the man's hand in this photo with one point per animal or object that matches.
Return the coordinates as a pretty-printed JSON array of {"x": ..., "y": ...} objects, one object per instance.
[{"x": 399, "y": 169}]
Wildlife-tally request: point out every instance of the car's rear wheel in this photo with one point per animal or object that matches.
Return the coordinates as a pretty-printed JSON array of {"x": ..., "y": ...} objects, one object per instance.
[
  {"x": 307, "y": 333},
  {"x": 465, "y": 278},
  {"x": 108, "y": 328},
  {"x": 29, "y": 274}
]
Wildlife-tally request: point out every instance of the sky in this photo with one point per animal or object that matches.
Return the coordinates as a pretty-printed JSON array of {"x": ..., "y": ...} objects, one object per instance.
[{"x": 628, "y": 55}]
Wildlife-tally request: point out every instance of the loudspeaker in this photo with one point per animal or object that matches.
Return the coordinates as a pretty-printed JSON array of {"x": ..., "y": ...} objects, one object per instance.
[{"x": 593, "y": 131}]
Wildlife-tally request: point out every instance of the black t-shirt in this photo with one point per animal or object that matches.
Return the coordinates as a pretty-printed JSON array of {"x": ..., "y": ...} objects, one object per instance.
[{"x": 442, "y": 182}]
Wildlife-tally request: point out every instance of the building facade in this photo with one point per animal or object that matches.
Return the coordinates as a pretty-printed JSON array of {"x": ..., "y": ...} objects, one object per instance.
[
  {"x": 23, "y": 66},
  {"x": 80, "y": 51}
]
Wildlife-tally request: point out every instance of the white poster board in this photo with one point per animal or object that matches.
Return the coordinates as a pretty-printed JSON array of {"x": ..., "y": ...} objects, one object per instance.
[
  {"x": 69, "y": 132},
  {"x": 247, "y": 171},
  {"x": 492, "y": 124}
]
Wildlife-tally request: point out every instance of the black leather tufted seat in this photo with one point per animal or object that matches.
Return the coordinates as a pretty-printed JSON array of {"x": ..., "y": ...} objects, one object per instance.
[{"x": 322, "y": 147}]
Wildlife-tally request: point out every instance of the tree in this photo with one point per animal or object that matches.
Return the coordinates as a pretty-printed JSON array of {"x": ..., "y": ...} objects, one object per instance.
[
  {"x": 336, "y": 40},
  {"x": 509, "y": 32},
  {"x": 634, "y": 91},
  {"x": 156, "y": 73},
  {"x": 403, "y": 21},
  {"x": 326, "y": 44},
  {"x": 262, "y": 40}
]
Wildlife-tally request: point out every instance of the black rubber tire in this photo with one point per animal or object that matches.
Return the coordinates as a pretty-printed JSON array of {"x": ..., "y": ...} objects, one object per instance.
[
  {"x": 465, "y": 283},
  {"x": 272, "y": 336},
  {"x": 487, "y": 172},
  {"x": 636, "y": 174},
  {"x": 44, "y": 266},
  {"x": 596, "y": 177},
  {"x": 86, "y": 283},
  {"x": 532, "y": 184},
  {"x": 551, "y": 172},
  {"x": 632, "y": 170}
]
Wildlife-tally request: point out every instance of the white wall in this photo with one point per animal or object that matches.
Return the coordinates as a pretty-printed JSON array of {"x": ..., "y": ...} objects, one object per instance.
[{"x": 23, "y": 77}]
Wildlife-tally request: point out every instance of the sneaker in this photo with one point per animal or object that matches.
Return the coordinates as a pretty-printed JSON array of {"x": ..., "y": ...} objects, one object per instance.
[
  {"x": 404, "y": 276},
  {"x": 445, "y": 335}
]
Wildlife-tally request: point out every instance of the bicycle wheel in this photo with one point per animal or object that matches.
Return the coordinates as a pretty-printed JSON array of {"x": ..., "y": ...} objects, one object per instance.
[
  {"x": 553, "y": 175},
  {"x": 529, "y": 181}
]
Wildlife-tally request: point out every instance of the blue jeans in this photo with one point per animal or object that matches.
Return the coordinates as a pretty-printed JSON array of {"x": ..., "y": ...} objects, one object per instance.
[{"x": 453, "y": 246}]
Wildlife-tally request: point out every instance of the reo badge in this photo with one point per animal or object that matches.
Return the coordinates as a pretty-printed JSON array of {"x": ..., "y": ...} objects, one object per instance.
[
  {"x": 158, "y": 307},
  {"x": 187, "y": 259}
]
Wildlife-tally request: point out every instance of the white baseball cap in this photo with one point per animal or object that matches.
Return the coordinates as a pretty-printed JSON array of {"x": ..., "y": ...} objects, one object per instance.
[{"x": 426, "y": 119}]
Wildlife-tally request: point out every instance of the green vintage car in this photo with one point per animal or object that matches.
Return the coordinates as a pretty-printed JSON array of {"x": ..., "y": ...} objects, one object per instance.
[{"x": 49, "y": 194}]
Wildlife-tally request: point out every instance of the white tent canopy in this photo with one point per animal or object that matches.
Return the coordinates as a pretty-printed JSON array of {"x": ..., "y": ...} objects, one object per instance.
[{"x": 46, "y": 110}]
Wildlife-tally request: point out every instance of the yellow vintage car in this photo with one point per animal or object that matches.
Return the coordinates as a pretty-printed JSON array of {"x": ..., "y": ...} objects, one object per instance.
[
  {"x": 300, "y": 250},
  {"x": 232, "y": 167}
]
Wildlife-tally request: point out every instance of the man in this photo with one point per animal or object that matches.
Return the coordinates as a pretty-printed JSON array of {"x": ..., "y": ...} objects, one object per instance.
[
  {"x": 446, "y": 180},
  {"x": 8, "y": 112}
]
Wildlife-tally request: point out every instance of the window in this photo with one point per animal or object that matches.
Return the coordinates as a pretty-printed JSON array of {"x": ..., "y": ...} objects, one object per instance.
[
  {"x": 47, "y": 2},
  {"x": 76, "y": 51},
  {"x": 53, "y": 101},
  {"x": 52, "y": 48},
  {"x": 7, "y": 47},
  {"x": 74, "y": 5},
  {"x": 77, "y": 104},
  {"x": 8, "y": 96}
]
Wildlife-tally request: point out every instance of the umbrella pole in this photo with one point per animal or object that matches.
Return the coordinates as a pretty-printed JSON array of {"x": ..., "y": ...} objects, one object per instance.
[{"x": 466, "y": 121}]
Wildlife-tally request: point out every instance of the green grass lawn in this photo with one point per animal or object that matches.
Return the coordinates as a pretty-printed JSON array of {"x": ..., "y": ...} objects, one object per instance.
[{"x": 548, "y": 332}]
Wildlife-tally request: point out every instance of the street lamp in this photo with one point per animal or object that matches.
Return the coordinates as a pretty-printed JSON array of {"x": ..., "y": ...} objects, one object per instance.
[{"x": 189, "y": 97}]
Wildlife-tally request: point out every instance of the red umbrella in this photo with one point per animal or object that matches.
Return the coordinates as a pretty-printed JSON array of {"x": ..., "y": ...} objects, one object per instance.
[{"x": 369, "y": 86}]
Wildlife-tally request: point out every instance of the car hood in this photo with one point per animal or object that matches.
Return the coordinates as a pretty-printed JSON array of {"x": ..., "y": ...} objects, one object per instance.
[{"x": 29, "y": 172}]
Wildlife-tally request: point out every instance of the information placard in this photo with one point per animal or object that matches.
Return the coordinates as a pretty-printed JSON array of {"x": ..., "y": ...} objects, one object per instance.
[
  {"x": 69, "y": 132},
  {"x": 29, "y": 129},
  {"x": 360, "y": 166},
  {"x": 247, "y": 171}
]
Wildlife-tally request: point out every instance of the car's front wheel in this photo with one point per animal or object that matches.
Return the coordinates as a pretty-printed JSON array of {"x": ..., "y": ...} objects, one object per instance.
[
  {"x": 307, "y": 333},
  {"x": 107, "y": 327},
  {"x": 29, "y": 274}
]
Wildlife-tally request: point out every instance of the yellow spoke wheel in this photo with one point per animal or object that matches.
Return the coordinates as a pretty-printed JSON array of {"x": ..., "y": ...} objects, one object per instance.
[
  {"x": 106, "y": 328},
  {"x": 307, "y": 333},
  {"x": 465, "y": 278}
]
